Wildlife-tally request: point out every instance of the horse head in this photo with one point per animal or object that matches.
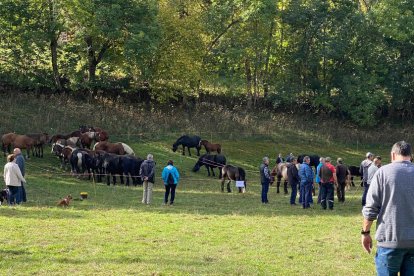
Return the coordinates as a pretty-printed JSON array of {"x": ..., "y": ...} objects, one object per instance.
[{"x": 175, "y": 147}]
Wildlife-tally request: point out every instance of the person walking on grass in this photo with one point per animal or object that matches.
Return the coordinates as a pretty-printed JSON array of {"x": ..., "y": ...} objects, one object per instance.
[
  {"x": 363, "y": 169},
  {"x": 328, "y": 180},
  {"x": 147, "y": 173},
  {"x": 265, "y": 179},
  {"x": 170, "y": 176},
  {"x": 20, "y": 162},
  {"x": 13, "y": 179},
  {"x": 390, "y": 201},
  {"x": 293, "y": 179},
  {"x": 341, "y": 175},
  {"x": 376, "y": 164},
  {"x": 306, "y": 182}
]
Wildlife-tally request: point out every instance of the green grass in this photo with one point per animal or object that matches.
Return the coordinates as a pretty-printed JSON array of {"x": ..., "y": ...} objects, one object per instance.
[{"x": 206, "y": 232}]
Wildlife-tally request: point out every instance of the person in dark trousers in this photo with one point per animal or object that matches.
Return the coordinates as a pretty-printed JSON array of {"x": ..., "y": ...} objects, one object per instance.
[
  {"x": 293, "y": 178},
  {"x": 390, "y": 202},
  {"x": 341, "y": 175},
  {"x": 363, "y": 169},
  {"x": 170, "y": 176},
  {"x": 265, "y": 179},
  {"x": 20, "y": 162},
  {"x": 318, "y": 179},
  {"x": 306, "y": 182},
  {"x": 328, "y": 180},
  {"x": 147, "y": 173}
]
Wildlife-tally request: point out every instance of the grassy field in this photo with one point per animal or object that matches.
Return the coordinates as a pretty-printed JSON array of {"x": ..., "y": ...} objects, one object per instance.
[{"x": 206, "y": 232}]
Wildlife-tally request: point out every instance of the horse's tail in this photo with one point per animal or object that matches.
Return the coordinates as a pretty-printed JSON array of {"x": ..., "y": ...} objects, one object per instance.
[
  {"x": 242, "y": 174},
  {"x": 128, "y": 149},
  {"x": 224, "y": 172},
  {"x": 94, "y": 146}
]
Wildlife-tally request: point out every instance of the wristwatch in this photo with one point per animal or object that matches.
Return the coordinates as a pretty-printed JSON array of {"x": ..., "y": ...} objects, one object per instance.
[{"x": 365, "y": 232}]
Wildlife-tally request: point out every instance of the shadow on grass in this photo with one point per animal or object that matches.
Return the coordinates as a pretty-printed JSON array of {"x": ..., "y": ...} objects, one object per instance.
[{"x": 38, "y": 213}]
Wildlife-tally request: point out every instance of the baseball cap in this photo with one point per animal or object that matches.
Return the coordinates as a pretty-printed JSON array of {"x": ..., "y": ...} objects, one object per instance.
[{"x": 368, "y": 154}]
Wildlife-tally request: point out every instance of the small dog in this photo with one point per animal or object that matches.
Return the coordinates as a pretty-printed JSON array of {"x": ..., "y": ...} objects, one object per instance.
[
  {"x": 4, "y": 194},
  {"x": 65, "y": 201}
]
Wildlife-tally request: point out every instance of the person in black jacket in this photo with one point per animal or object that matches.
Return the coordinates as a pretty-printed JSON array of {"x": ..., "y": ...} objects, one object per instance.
[
  {"x": 265, "y": 179},
  {"x": 147, "y": 173},
  {"x": 293, "y": 179}
]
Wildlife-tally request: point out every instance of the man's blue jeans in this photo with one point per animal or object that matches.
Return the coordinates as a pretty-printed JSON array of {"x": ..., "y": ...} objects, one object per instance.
[
  {"x": 390, "y": 261},
  {"x": 294, "y": 193},
  {"x": 265, "y": 190}
]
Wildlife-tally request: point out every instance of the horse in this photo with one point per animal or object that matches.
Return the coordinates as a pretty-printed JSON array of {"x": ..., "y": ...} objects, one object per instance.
[
  {"x": 130, "y": 168},
  {"x": 6, "y": 141},
  {"x": 40, "y": 139},
  {"x": 211, "y": 162},
  {"x": 210, "y": 147},
  {"x": 116, "y": 148},
  {"x": 87, "y": 138},
  {"x": 101, "y": 135},
  {"x": 18, "y": 141},
  {"x": 54, "y": 138},
  {"x": 189, "y": 142},
  {"x": 233, "y": 173},
  {"x": 354, "y": 171},
  {"x": 314, "y": 159},
  {"x": 279, "y": 172},
  {"x": 63, "y": 152}
]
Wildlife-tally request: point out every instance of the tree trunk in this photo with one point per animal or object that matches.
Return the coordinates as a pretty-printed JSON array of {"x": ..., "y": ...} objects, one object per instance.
[
  {"x": 91, "y": 60},
  {"x": 267, "y": 58},
  {"x": 56, "y": 75},
  {"x": 248, "y": 73}
]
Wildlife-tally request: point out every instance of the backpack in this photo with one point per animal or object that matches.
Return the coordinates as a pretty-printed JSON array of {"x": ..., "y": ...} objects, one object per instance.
[
  {"x": 170, "y": 179},
  {"x": 325, "y": 174}
]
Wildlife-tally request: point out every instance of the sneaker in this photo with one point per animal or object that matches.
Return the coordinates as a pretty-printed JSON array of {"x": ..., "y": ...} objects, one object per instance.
[{"x": 171, "y": 203}]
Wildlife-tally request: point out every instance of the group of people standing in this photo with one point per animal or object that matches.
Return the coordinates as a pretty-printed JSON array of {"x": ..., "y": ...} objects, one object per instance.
[
  {"x": 13, "y": 174},
  {"x": 170, "y": 177}
]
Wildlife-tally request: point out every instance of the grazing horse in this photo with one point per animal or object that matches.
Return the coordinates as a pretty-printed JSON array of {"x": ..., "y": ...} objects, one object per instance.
[
  {"x": 354, "y": 171},
  {"x": 116, "y": 148},
  {"x": 211, "y": 162},
  {"x": 233, "y": 173},
  {"x": 189, "y": 142},
  {"x": 18, "y": 141},
  {"x": 279, "y": 172},
  {"x": 63, "y": 152},
  {"x": 314, "y": 159},
  {"x": 210, "y": 147},
  {"x": 40, "y": 140}
]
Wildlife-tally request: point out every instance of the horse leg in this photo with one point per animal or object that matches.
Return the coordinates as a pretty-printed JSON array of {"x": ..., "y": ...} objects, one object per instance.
[
  {"x": 208, "y": 170},
  {"x": 228, "y": 187},
  {"x": 285, "y": 187},
  {"x": 41, "y": 150},
  {"x": 278, "y": 184},
  {"x": 183, "y": 150},
  {"x": 212, "y": 172},
  {"x": 189, "y": 152},
  {"x": 198, "y": 150},
  {"x": 352, "y": 181},
  {"x": 222, "y": 186}
]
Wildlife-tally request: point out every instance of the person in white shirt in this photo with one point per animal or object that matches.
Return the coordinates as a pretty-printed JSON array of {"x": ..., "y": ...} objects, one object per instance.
[{"x": 13, "y": 179}]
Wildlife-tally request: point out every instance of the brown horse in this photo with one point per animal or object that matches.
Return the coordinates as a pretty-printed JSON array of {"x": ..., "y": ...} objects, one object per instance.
[
  {"x": 18, "y": 141},
  {"x": 54, "y": 138},
  {"x": 233, "y": 173},
  {"x": 210, "y": 147},
  {"x": 116, "y": 148},
  {"x": 40, "y": 140},
  {"x": 63, "y": 152},
  {"x": 87, "y": 138}
]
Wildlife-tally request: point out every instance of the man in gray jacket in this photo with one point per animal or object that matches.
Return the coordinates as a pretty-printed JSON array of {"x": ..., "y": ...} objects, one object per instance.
[
  {"x": 363, "y": 169},
  {"x": 390, "y": 201}
]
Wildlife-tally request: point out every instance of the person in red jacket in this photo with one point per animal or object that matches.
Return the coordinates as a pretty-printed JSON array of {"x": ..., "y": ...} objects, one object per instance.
[{"x": 328, "y": 180}]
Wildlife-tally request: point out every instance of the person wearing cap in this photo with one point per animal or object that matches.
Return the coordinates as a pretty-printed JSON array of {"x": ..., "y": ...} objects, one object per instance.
[
  {"x": 390, "y": 202},
  {"x": 170, "y": 176},
  {"x": 328, "y": 180},
  {"x": 20, "y": 162},
  {"x": 13, "y": 179},
  {"x": 376, "y": 164},
  {"x": 363, "y": 169},
  {"x": 341, "y": 175}
]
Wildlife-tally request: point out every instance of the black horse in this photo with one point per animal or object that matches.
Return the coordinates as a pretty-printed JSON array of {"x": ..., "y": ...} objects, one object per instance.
[
  {"x": 233, "y": 173},
  {"x": 354, "y": 170},
  {"x": 210, "y": 161},
  {"x": 189, "y": 142},
  {"x": 314, "y": 159}
]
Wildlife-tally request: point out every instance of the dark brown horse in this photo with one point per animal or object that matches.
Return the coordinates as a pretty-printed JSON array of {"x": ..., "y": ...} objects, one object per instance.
[
  {"x": 116, "y": 148},
  {"x": 63, "y": 152},
  {"x": 210, "y": 147},
  {"x": 101, "y": 134},
  {"x": 54, "y": 138},
  {"x": 87, "y": 138},
  {"x": 233, "y": 173},
  {"x": 40, "y": 140},
  {"x": 18, "y": 141}
]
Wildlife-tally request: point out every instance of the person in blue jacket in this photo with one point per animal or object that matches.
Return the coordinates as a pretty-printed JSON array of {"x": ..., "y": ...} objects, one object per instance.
[
  {"x": 170, "y": 176},
  {"x": 306, "y": 182}
]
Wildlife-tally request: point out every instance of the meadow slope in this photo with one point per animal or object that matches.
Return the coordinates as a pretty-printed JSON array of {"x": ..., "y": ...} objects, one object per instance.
[{"x": 206, "y": 233}]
